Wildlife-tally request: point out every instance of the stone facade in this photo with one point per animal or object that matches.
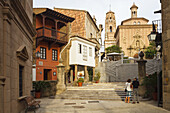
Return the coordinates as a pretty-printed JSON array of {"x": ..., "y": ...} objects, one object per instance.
[
  {"x": 166, "y": 53},
  {"x": 110, "y": 29},
  {"x": 132, "y": 34},
  {"x": 83, "y": 26},
  {"x": 16, "y": 32}
]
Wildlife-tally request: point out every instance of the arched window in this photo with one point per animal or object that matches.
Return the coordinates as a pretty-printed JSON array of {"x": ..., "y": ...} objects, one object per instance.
[
  {"x": 134, "y": 23},
  {"x": 138, "y": 22},
  {"x": 134, "y": 13},
  {"x": 110, "y": 28}
]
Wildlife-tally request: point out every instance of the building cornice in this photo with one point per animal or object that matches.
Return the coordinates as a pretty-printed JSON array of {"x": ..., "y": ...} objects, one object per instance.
[
  {"x": 85, "y": 39},
  {"x": 139, "y": 18},
  {"x": 17, "y": 6}
]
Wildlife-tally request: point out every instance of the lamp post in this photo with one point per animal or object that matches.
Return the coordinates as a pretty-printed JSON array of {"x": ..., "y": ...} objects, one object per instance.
[{"x": 157, "y": 38}]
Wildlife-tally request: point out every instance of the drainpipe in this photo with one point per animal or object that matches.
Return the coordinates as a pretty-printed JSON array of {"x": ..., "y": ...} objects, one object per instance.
[{"x": 65, "y": 47}]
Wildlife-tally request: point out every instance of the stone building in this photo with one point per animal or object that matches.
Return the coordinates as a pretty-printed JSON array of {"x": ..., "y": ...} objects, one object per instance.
[
  {"x": 110, "y": 29},
  {"x": 84, "y": 26},
  {"x": 166, "y": 52},
  {"x": 52, "y": 35},
  {"x": 16, "y": 32},
  {"x": 132, "y": 34}
]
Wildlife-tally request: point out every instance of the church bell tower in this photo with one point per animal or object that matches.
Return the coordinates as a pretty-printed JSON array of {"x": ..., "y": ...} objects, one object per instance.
[{"x": 110, "y": 29}]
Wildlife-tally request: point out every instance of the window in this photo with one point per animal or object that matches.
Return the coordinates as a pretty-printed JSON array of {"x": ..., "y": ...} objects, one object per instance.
[
  {"x": 79, "y": 48},
  {"x": 138, "y": 22},
  {"x": 20, "y": 80},
  {"x": 91, "y": 35},
  {"x": 134, "y": 23},
  {"x": 43, "y": 53},
  {"x": 54, "y": 54},
  {"x": 84, "y": 52},
  {"x": 134, "y": 13},
  {"x": 90, "y": 51},
  {"x": 110, "y": 28}
]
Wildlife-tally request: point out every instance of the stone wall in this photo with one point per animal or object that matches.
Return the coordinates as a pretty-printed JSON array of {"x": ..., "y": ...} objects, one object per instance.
[
  {"x": 166, "y": 53},
  {"x": 78, "y": 25},
  {"x": 49, "y": 91},
  {"x": 16, "y": 32}
]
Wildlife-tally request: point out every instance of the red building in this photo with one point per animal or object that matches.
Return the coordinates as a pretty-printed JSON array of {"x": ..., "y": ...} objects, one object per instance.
[{"x": 52, "y": 35}]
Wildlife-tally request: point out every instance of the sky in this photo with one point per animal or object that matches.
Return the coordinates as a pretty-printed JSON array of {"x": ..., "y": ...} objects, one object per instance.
[{"x": 99, "y": 8}]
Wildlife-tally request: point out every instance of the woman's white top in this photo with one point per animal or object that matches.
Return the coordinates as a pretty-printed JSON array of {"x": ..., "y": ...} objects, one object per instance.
[{"x": 127, "y": 86}]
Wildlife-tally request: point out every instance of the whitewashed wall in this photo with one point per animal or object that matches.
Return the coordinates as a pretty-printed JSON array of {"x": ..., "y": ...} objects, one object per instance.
[{"x": 76, "y": 57}]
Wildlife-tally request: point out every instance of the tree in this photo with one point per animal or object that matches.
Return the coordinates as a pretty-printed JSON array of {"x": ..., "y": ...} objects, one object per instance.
[
  {"x": 150, "y": 51},
  {"x": 113, "y": 48}
]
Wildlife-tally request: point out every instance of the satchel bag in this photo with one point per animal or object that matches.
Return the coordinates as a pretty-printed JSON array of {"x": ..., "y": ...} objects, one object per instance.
[{"x": 125, "y": 90}]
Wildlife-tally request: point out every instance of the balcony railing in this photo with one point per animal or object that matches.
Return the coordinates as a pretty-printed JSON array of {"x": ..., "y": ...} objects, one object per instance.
[{"x": 51, "y": 33}]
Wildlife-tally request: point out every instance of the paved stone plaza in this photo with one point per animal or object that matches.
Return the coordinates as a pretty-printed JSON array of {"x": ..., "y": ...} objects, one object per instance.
[
  {"x": 87, "y": 106},
  {"x": 95, "y": 98}
]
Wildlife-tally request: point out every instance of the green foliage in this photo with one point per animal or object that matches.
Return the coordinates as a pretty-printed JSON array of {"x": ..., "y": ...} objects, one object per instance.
[
  {"x": 150, "y": 82},
  {"x": 150, "y": 51},
  {"x": 114, "y": 48},
  {"x": 97, "y": 77},
  {"x": 80, "y": 80},
  {"x": 40, "y": 85}
]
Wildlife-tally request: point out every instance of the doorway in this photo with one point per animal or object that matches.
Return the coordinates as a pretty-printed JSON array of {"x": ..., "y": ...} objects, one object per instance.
[{"x": 47, "y": 74}]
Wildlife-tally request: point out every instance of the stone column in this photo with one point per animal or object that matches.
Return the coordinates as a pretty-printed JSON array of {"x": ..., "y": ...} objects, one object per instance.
[
  {"x": 86, "y": 78},
  {"x": 2, "y": 80},
  {"x": 61, "y": 77},
  {"x": 75, "y": 73},
  {"x": 93, "y": 73},
  {"x": 71, "y": 76},
  {"x": 141, "y": 73}
]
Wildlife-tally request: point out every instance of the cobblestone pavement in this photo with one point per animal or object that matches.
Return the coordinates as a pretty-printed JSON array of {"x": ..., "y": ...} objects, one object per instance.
[{"x": 96, "y": 106}]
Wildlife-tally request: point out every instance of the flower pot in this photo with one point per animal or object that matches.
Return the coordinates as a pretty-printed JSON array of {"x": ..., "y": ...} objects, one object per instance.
[
  {"x": 80, "y": 84},
  {"x": 97, "y": 81},
  {"x": 154, "y": 95},
  {"x": 38, "y": 94}
]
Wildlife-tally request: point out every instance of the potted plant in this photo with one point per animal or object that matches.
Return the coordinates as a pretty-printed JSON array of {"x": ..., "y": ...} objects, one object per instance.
[
  {"x": 39, "y": 87},
  {"x": 97, "y": 77},
  {"x": 80, "y": 81}
]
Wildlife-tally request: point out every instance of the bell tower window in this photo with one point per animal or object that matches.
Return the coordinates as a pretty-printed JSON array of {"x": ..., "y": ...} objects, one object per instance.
[{"x": 110, "y": 28}]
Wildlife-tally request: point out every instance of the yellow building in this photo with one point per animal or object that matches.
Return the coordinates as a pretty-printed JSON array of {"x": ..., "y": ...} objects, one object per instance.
[{"x": 131, "y": 35}]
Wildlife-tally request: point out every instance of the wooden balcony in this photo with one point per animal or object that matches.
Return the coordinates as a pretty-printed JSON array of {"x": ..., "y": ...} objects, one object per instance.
[{"x": 52, "y": 36}]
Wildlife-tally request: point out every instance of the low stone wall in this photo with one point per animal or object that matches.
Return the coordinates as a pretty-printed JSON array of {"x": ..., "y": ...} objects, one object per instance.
[{"x": 50, "y": 91}]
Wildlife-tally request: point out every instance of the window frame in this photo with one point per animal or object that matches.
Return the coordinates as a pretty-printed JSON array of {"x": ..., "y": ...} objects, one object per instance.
[
  {"x": 55, "y": 55},
  {"x": 79, "y": 48},
  {"x": 90, "y": 51},
  {"x": 41, "y": 52}
]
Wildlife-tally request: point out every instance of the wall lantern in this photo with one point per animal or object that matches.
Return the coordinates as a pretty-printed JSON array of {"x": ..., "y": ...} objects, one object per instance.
[
  {"x": 38, "y": 54},
  {"x": 152, "y": 36}
]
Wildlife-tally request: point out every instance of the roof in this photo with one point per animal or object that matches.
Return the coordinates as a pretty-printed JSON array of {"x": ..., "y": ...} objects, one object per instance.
[
  {"x": 110, "y": 12},
  {"x": 134, "y": 6},
  {"x": 134, "y": 19},
  {"x": 81, "y": 11},
  {"x": 83, "y": 38},
  {"x": 56, "y": 15},
  {"x": 114, "y": 53}
]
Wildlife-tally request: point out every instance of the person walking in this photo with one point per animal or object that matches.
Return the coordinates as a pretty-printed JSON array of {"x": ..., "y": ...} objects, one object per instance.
[
  {"x": 128, "y": 87},
  {"x": 135, "y": 85}
]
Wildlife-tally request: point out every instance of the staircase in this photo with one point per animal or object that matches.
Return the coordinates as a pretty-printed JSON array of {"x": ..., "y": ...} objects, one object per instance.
[{"x": 97, "y": 91}]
